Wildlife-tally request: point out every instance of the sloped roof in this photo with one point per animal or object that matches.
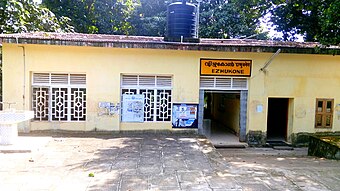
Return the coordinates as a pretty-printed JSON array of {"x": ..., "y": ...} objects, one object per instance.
[{"x": 123, "y": 41}]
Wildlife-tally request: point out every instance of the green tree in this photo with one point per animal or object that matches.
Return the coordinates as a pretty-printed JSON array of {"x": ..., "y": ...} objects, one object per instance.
[
  {"x": 95, "y": 16},
  {"x": 231, "y": 19},
  {"x": 316, "y": 20},
  {"x": 218, "y": 19},
  {"x": 18, "y": 16},
  {"x": 149, "y": 18},
  {"x": 78, "y": 11},
  {"x": 27, "y": 16}
]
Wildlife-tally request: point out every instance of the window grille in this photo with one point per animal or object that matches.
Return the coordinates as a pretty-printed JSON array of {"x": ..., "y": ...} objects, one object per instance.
[
  {"x": 239, "y": 83},
  {"x": 148, "y": 81},
  {"x": 78, "y": 79},
  {"x": 129, "y": 80},
  {"x": 59, "y": 78},
  {"x": 157, "y": 94},
  {"x": 149, "y": 104},
  {"x": 59, "y": 97},
  {"x": 163, "y": 81},
  {"x": 41, "y": 78},
  {"x": 223, "y": 83},
  {"x": 40, "y": 103},
  {"x": 78, "y": 101},
  {"x": 163, "y": 105},
  {"x": 59, "y": 104}
]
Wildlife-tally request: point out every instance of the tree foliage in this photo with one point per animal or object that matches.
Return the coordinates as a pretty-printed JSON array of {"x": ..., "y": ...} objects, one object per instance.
[
  {"x": 96, "y": 16},
  {"x": 219, "y": 19},
  {"x": 317, "y": 20},
  {"x": 149, "y": 18},
  {"x": 230, "y": 19},
  {"x": 26, "y": 16}
]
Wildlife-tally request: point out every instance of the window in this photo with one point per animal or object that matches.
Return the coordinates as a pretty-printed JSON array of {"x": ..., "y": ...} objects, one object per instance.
[
  {"x": 324, "y": 113},
  {"x": 156, "y": 91},
  {"x": 59, "y": 97},
  {"x": 223, "y": 83}
]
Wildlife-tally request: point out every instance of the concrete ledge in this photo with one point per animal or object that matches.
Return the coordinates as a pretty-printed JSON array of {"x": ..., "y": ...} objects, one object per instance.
[
  {"x": 324, "y": 146},
  {"x": 107, "y": 134},
  {"x": 226, "y": 146},
  {"x": 26, "y": 144},
  {"x": 302, "y": 139}
]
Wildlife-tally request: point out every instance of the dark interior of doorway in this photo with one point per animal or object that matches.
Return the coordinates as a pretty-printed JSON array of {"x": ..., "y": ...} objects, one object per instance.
[
  {"x": 222, "y": 111},
  {"x": 277, "y": 121}
]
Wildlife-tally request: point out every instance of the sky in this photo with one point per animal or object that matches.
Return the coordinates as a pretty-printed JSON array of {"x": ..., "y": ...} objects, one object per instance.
[{"x": 266, "y": 26}]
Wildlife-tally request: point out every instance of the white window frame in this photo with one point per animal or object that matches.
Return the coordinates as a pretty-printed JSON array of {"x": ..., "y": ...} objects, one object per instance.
[
  {"x": 69, "y": 81},
  {"x": 136, "y": 84},
  {"x": 223, "y": 83}
]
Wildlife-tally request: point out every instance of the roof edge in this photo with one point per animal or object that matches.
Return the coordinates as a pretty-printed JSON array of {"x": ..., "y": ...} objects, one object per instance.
[{"x": 144, "y": 42}]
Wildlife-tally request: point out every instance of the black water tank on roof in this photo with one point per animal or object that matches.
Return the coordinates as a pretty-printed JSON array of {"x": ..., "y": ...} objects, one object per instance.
[{"x": 181, "y": 18}]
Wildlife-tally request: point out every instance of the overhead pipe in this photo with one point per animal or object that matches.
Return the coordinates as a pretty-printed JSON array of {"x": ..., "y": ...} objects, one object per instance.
[{"x": 263, "y": 69}]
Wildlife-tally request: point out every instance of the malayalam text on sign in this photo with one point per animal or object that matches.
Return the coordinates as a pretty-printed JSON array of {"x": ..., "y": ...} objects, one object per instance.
[{"x": 226, "y": 67}]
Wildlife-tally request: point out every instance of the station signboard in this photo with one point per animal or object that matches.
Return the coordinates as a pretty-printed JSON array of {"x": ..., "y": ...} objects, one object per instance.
[{"x": 225, "y": 67}]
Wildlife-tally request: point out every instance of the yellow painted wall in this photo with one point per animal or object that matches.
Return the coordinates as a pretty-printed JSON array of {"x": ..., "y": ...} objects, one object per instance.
[
  {"x": 226, "y": 110},
  {"x": 303, "y": 78},
  {"x": 231, "y": 116},
  {"x": 103, "y": 68}
]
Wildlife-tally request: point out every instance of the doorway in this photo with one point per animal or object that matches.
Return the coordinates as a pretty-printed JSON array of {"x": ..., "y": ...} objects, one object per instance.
[
  {"x": 277, "y": 121},
  {"x": 223, "y": 110},
  {"x": 222, "y": 117}
]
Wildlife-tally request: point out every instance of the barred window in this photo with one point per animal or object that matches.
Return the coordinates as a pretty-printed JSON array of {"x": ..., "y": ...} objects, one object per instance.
[
  {"x": 157, "y": 94},
  {"x": 59, "y": 97}
]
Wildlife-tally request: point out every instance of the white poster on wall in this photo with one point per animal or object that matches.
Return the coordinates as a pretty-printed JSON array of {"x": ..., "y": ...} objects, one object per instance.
[{"x": 133, "y": 108}]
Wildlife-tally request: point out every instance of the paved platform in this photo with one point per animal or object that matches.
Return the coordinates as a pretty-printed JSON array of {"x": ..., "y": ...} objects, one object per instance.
[
  {"x": 221, "y": 136},
  {"x": 271, "y": 169},
  {"x": 226, "y": 140},
  {"x": 148, "y": 161}
]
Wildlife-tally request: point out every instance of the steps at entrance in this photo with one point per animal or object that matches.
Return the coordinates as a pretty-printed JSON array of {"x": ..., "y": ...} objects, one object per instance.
[
  {"x": 279, "y": 145},
  {"x": 231, "y": 145}
]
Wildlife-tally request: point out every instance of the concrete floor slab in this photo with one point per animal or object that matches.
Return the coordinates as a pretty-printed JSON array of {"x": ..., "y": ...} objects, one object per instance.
[{"x": 136, "y": 162}]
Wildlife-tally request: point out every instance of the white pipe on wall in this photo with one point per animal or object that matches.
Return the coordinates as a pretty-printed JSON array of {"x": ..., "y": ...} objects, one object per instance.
[{"x": 24, "y": 81}]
